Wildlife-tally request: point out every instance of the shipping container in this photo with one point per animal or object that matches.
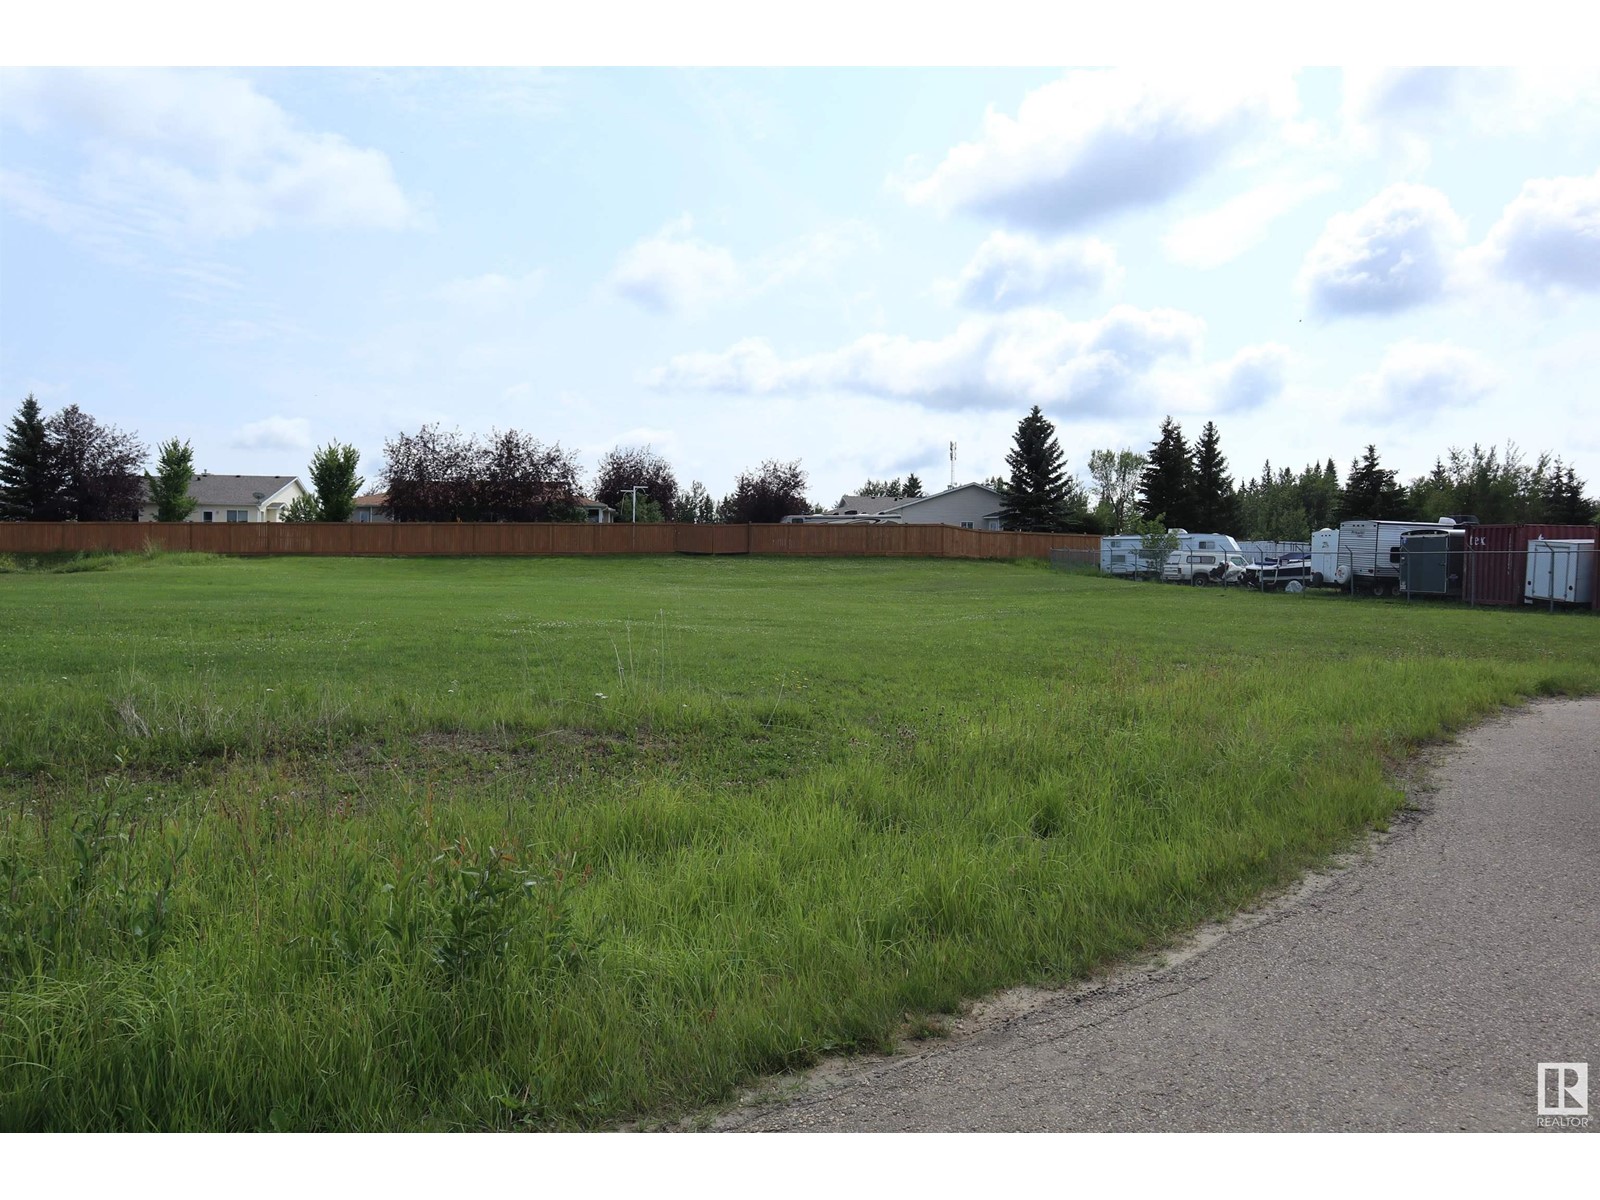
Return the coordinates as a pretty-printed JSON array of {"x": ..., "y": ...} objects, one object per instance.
[{"x": 1497, "y": 559}]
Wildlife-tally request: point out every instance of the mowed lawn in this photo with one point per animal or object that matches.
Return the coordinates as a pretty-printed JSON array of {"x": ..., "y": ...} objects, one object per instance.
[{"x": 563, "y": 843}]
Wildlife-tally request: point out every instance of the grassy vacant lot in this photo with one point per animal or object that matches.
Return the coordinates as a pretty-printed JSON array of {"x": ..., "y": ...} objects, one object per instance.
[{"x": 392, "y": 844}]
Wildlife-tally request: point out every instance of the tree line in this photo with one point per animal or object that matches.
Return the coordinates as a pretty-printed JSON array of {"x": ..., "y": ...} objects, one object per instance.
[
  {"x": 1190, "y": 487},
  {"x": 69, "y": 466}
]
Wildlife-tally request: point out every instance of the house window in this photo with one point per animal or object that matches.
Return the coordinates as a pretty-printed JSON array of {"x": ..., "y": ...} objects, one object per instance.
[
  {"x": 966, "y": 524},
  {"x": 206, "y": 516},
  {"x": 235, "y": 515},
  {"x": 363, "y": 517}
]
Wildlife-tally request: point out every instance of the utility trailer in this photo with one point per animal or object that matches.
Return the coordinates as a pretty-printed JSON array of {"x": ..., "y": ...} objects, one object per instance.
[
  {"x": 1433, "y": 561},
  {"x": 1560, "y": 571},
  {"x": 1370, "y": 552}
]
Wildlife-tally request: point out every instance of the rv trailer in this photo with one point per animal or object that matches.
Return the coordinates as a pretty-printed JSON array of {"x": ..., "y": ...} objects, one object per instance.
[{"x": 1370, "y": 552}]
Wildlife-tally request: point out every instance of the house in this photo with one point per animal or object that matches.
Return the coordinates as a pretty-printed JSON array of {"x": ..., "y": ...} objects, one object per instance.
[
  {"x": 370, "y": 508},
  {"x": 969, "y": 505},
  {"x": 234, "y": 498},
  {"x": 596, "y": 512}
]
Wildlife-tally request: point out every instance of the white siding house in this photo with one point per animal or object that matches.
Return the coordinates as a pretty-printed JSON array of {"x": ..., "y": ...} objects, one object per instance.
[
  {"x": 224, "y": 498},
  {"x": 969, "y": 505}
]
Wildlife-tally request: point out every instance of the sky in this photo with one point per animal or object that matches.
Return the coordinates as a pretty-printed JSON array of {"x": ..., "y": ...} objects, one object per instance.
[{"x": 854, "y": 267}]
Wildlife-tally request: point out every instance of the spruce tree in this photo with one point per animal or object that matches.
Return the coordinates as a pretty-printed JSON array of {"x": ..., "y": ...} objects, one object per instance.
[
  {"x": 169, "y": 486},
  {"x": 1371, "y": 493},
  {"x": 1036, "y": 495},
  {"x": 1164, "y": 486},
  {"x": 1212, "y": 504},
  {"x": 913, "y": 487},
  {"x": 27, "y": 483}
]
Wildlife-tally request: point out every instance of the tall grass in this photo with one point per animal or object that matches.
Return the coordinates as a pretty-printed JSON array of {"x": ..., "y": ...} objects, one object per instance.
[{"x": 320, "y": 844}]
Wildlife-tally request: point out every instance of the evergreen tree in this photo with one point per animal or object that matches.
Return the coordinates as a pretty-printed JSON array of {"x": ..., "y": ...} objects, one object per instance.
[
  {"x": 1563, "y": 500},
  {"x": 169, "y": 486},
  {"x": 334, "y": 479},
  {"x": 1370, "y": 492},
  {"x": 1036, "y": 495},
  {"x": 913, "y": 487},
  {"x": 1212, "y": 505},
  {"x": 695, "y": 506},
  {"x": 27, "y": 482},
  {"x": 1165, "y": 483}
]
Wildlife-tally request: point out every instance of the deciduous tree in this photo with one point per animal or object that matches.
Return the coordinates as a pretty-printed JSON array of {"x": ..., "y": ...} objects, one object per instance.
[
  {"x": 169, "y": 486},
  {"x": 334, "y": 480},
  {"x": 766, "y": 496},
  {"x": 96, "y": 469},
  {"x": 625, "y": 467},
  {"x": 445, "y": 475}
]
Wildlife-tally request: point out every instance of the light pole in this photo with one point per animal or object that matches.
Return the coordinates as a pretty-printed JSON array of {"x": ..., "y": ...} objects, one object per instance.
[{"x": 636, "y": 491}]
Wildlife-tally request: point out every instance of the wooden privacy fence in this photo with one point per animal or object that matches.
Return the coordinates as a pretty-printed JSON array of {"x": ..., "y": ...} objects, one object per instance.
[{"x": 459, "y": 539}]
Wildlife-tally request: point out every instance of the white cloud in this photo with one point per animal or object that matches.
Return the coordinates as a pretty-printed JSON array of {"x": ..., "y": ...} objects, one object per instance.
[
  {"x": 673, "y": 272},
  {"x": 1097, "y": 142},
  {"x": 1028, "y": 356},
  {"x": 1402, "y": 110},
  {"x": 1548, "y": 237},
  {"x": 1419, "y": 379},
  {"x": 1251, "y": 378},
  {"x": 1224, "y": 233},
  {"x": 1396, "y": 251},
  {"x": 274, "y": 433},
  {"x": 492, "y": 292},
  {"x": 1010, "y": 270},
  {"x": 183, "y": 153}
]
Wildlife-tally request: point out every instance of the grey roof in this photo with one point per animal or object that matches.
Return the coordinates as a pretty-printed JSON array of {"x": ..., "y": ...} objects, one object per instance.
[
  {"x": 865, "y": 504},
  {"x": 237, "y": 490},
  {"x": 960, "y": 487}
]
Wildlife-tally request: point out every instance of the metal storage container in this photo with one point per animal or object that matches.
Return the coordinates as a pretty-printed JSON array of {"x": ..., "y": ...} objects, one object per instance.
[
  {"x": 1560, "y": 569},
  {"x": 1497, "y": 559}
]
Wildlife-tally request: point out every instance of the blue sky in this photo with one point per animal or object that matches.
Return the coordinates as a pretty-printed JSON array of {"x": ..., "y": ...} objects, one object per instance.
[{"x": 852, "y": 267}]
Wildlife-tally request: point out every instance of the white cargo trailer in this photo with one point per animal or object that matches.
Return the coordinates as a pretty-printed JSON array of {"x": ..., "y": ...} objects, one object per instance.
[
  {"x": 1324, "y": 557},
  {"x": 1560, "y": 569},
  {"x": 1369, "y": 552}
]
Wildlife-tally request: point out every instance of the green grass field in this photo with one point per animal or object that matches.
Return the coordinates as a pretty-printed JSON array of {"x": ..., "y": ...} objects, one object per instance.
[{"x": 562, "y": 843}]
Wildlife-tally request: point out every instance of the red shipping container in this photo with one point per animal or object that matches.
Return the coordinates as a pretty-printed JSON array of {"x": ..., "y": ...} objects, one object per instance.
[{"x": 1497, "y": 559}]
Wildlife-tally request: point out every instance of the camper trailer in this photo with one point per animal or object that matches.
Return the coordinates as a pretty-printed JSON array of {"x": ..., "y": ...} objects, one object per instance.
[
  {"x": 1123, "y": 553},
  {"x": 1369, "y": 552}
]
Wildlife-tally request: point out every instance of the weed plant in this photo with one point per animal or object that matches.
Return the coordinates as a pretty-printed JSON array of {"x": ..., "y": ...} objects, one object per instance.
[{"x": 320, "y": 844}]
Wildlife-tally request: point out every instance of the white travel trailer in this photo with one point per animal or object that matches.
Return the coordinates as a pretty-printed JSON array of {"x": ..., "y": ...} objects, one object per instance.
[
  {"x": 1122, "y": 553},
  {"x": 1324, "y": 557},
  {"x": 1369, "y": 553}
]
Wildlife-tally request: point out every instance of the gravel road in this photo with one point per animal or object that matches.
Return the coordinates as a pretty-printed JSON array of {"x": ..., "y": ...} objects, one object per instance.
[{"x": 1415, "y": 986}]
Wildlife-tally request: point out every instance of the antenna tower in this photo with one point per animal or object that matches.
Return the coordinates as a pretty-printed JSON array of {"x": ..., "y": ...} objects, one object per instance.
[{"x": 952, "y": 464}]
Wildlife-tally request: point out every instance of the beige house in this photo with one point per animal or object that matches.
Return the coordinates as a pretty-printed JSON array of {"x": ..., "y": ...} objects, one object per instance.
[
  {"x": 233, "y": 498},
  {"x": 969, "y": 505}
]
